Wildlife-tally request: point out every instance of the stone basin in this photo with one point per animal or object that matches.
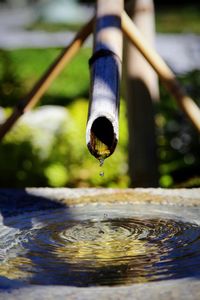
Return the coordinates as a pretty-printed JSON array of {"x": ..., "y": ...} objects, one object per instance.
[{"x": 39, "y": 205}]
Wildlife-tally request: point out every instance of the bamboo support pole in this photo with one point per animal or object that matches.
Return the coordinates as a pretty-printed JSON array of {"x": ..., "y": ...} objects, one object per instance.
[
  {"x": 168, "y": 78},
  {"x": 141, "y": 92},
  {"x": 142, "y": 15},
  {"x": 45, "y": 81},
  {"x": 102, "y": 125}
]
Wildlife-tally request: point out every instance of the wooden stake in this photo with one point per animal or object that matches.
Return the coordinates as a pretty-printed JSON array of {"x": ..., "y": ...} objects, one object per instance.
[
  {"x": 168, "y": 78},
  {"x": 43, "y": 84},
  {"x": 141, "y": 91},
  {"x": 102, "y": 126}
]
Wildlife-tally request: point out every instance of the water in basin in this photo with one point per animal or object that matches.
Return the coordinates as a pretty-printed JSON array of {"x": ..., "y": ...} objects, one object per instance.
[{"x": 94, "y": 246}]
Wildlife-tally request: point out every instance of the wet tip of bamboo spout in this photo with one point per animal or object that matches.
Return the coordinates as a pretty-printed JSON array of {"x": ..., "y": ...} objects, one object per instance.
[{"x": 101, "y": 137}]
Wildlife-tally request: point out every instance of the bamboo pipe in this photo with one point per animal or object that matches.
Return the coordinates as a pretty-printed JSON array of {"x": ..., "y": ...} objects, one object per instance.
[
  {"x": 167, "y": 76},
  {"x": 102, "y": 125},
  {"x": 44, "y": 82}
]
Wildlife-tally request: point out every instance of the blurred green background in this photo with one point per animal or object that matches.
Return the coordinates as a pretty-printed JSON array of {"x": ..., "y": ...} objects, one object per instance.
[{"x": 56, "y": 155}]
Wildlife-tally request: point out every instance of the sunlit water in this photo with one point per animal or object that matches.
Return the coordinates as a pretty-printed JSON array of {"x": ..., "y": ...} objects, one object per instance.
[{"x": 53, "y": 248}]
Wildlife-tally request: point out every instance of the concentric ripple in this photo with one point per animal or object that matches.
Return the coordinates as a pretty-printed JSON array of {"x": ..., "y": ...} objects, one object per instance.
[{"x": 57, "y": 250}]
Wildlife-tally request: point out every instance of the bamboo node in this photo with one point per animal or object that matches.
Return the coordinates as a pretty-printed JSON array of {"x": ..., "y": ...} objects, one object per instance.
[{"x": 102, "y": 53}]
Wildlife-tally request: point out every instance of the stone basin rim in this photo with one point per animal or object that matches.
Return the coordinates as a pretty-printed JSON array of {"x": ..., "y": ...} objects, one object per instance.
[{"x": 81, "y": 196}]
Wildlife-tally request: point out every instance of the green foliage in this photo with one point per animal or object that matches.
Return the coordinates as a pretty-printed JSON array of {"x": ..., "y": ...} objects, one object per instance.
[
  {"x": 67, "y": 161},
  {"x": 20, "y": 70},
  {"x": 53, "y": 27},
  {"x": 178, "y": 141},
  {"x": 169, "y": 19},
  {"x": 10, "y": 85},
  {"x": 20, "y": 161},
  {"x": 180, "y": 19}
]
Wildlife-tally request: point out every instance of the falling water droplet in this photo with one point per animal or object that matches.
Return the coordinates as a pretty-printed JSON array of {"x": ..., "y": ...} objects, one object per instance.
[
  {"x": 101, "y": 162},
  {"x": 101, "y": 173}
]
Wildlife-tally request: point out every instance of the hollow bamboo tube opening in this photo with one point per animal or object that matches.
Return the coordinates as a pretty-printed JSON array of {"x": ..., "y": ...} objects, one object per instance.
[
  {"x": 102, "y": 127},
  {"x": 102, "y": 137}
]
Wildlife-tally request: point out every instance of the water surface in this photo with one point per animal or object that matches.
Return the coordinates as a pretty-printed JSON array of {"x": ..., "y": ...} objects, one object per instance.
[{"x": 91, "y": 247}]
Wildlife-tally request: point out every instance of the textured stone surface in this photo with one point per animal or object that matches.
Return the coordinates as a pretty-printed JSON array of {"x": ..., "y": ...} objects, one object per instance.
[
  {"x": 165, "y": 290},
  {"x": 181, "y": 197}
]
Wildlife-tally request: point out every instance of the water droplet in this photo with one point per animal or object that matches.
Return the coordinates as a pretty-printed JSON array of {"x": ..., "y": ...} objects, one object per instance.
[
  {"x": 101, "y": 161},
  {"x": 101, "y": 173}
]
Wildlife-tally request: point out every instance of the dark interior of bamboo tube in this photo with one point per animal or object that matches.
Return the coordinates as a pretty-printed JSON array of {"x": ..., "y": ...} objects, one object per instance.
[
  {"x": 102, "y": 137},
  {"x": 102, "y": 128}
]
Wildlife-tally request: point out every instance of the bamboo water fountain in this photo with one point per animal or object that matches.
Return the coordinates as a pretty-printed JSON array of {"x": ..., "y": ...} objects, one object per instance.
[
  {"x": 111, "y": 53},
  {"x": 101, "y": 243}
]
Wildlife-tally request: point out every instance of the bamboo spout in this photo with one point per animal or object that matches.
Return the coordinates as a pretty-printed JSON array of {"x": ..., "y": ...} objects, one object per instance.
[
  {"x": 105, "y": 64},
  {"x": 102, "y": 135}
]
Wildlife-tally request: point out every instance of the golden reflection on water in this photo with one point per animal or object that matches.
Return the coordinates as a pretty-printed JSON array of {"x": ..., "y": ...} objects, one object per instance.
[
  {"x": 101, "y": 244},
  {"x": 107, "y": 252},
  {"x": 12, "y": 268}
]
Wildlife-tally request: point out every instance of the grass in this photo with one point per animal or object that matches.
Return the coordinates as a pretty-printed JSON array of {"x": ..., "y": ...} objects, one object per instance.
[
  {"x": 53, "y": 27},
  {"x": 20, "y": 69},
  {"x": 180, "y": 19}
]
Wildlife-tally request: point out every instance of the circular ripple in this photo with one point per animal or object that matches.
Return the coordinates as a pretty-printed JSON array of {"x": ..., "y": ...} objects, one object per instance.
[{"x": 106, "y": 252}]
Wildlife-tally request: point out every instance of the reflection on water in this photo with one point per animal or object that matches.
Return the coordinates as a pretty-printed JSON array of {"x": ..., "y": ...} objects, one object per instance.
[{"x": 59, "y": 250}]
